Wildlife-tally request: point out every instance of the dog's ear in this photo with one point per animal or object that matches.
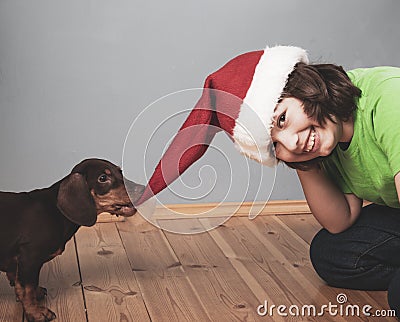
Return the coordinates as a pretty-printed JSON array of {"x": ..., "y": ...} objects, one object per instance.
[{"x": 75, "y": 202}]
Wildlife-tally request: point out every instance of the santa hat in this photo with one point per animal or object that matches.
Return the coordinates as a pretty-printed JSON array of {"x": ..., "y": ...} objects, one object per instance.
[{"x": 240, "y": 99}]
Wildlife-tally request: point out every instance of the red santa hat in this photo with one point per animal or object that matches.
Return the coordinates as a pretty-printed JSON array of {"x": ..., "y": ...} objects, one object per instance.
[{"x": 240, "y": 99}]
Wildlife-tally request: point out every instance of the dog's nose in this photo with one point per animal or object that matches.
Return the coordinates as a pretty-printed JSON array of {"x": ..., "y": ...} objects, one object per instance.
[
  {"x": 133, "y": 187},
  {"x": 136, "y": 192},
  {"x": 139, "y": 189}
]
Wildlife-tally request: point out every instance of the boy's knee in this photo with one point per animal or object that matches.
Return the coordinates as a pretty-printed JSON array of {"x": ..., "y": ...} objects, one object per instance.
[
  {"x": 394, "y": 293},
  {"x": 327, "y": 258},
  {"x": 321, "y": 248}
]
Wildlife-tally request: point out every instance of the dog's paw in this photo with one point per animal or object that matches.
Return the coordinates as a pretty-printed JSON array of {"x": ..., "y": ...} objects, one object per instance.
[
  {"x": 40, "y": 314},
  {"x": 41, "y": 293}
]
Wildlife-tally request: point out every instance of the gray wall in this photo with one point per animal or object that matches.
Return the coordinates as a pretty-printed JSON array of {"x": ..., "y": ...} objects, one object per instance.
[{"x": 74, "y": 75}]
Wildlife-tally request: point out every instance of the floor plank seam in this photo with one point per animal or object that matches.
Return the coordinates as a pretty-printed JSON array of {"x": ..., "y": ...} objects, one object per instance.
[
  {"x": 132, "y": 268},
  {"x": 183, "y": 270},
  {"x": 80, "y": 279}
]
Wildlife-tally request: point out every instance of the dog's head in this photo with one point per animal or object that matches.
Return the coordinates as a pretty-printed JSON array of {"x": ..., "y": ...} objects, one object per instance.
[{"x": 95, "y": 186}]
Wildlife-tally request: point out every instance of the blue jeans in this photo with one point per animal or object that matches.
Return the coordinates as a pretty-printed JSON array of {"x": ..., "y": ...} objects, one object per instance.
[{"x": 364, "y": 257}]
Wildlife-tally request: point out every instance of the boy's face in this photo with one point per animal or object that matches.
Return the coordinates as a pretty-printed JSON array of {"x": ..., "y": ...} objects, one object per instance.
[{"x": 297, "y": 137}]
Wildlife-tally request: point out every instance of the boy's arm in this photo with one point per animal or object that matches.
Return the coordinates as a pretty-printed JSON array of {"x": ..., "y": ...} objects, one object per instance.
[
  {"x": 397, "y": 183},
  {"x": 334, "y": 210}
]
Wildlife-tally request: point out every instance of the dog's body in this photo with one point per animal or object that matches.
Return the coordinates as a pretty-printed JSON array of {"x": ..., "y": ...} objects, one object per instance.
[{"x": 36, "y": 225}]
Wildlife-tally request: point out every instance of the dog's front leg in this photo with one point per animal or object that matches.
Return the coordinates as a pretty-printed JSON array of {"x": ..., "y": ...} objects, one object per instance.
[
  {"x": 26, "y": 286},
  {"x": 11, "y": 277},
  {"x": 41, "y": 292}
]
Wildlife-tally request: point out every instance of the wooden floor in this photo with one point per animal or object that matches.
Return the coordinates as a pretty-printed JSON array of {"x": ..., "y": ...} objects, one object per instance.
[{"x": 133, "y": 271}]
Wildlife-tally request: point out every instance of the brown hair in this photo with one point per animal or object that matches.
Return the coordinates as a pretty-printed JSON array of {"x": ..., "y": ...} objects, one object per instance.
[{"x": 326, "y": 92}]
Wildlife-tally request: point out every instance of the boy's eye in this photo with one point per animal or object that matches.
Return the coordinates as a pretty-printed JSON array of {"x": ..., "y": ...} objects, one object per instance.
[{"x": 281, "y": 120}]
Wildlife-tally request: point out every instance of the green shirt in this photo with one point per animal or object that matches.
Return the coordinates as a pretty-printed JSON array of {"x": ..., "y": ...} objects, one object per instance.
[{"x": 368, "y": 166}]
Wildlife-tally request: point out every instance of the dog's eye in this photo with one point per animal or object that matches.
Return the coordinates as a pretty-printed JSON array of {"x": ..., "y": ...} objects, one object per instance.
[{"x": 102, "y": 178}]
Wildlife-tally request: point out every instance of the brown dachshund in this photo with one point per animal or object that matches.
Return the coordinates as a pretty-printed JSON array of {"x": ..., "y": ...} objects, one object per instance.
[{"x": 36, "y": 225}]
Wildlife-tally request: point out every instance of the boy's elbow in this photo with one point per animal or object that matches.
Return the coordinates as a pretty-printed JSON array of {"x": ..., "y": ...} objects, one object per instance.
[{"x": 337, "y": 229}]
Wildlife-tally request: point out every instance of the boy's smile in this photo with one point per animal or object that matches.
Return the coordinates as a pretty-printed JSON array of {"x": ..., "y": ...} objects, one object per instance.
[{"x": 299, "y": 138}]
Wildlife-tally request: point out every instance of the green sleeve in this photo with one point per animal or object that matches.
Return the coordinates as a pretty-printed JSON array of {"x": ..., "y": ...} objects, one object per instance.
[
  {"x": 387, "y": 121},
  {"x": 332, "y": 167}
]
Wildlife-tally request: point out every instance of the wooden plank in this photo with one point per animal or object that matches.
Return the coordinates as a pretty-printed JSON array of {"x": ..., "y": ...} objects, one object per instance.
[
  {"x": 288, "y": 244},
  {"x": 64, "y": 296},
  {"x": 272, "y": 276},
  {"x": 221, "y": 289},
  {"x": 306, "y": 226},
  {"x": 61, "y": 278},
  {"x": 209, "y": 210},
  {"x": 10, "y": 309},
  {"x": 228, "y": 209},
  {"x": 110, "y": 287},
  {"x": 168, "y": 294}
]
